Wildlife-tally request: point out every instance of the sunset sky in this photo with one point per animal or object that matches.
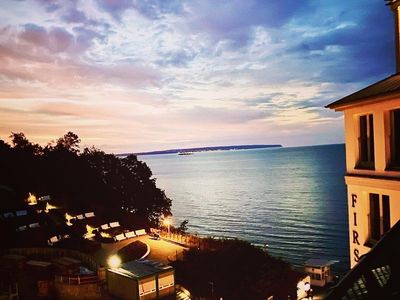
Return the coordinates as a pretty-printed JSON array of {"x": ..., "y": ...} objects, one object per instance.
[{"x": 129, "y": 76}]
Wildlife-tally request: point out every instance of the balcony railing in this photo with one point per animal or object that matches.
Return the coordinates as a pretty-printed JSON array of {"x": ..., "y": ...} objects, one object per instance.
[{"x": 76, "y": 280}]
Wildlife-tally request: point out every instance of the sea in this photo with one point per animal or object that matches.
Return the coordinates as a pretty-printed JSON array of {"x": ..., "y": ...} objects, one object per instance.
[{"x": 289, "y": 201}]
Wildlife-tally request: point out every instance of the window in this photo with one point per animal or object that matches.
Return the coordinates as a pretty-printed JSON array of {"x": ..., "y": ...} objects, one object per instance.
[
  {"x": 379, "y": 219},
  {"x": 395, "y": 139},
  {"x": 366, "y": 158},
  {"x": 385, "y": 213},
  {"x": 374, "y": 218}
]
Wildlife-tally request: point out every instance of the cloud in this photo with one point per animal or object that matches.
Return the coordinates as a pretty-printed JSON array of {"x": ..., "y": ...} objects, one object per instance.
[
  {"x": 74, "y": 16},
  {"x": 115, "y": 7},
  {"x": 201, "y": 71},
  {"x": 233, "y": 20},
  {"x": 56, "y": 39},
  {"x": 51, "y": 5}
]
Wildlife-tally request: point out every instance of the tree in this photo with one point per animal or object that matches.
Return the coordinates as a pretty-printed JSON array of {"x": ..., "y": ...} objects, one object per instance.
[
  {"x": 20, "y": 142},
  {"x": 237, "y": 270},
  {"x": 70, "y": 142},
  {"x": 183, "y": 227},
  {"x": 116, "y": 187}
]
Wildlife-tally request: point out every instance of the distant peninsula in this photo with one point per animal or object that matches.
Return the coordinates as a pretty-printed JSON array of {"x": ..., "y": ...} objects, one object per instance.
[{"x": 203, "y": 149}]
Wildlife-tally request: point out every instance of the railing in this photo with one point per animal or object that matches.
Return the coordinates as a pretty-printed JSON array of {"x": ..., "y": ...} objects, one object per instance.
[
  {"x": 193, "y": 240},
  {"x": 377, "y": 274},
  {"x": 76, "y": 280}
]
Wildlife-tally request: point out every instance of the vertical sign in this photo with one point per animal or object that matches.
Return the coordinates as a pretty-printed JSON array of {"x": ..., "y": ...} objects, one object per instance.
[{"x": 355, "y": 241}]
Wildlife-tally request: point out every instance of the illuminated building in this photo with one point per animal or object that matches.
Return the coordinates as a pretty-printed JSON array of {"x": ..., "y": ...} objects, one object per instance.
[{"x": 372, "y": 137}]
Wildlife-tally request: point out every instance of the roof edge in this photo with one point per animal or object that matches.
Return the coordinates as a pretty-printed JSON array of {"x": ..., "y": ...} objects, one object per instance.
[{"x": 337, "y": 104}]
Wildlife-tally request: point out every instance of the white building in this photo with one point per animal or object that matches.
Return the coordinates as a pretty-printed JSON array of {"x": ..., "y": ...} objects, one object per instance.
[{"x": 372, "y": 137}]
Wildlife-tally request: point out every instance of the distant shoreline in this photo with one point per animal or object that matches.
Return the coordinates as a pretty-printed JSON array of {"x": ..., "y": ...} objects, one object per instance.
[{"x": 203, "y": 149}]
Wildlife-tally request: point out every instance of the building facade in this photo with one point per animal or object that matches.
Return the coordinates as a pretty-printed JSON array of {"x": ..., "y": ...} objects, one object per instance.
[{"x": 372, "y": 137}]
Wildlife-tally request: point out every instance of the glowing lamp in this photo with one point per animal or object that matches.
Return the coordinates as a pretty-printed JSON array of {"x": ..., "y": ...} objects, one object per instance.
[
  {"x": 31, "y": 199},
  {"x": 105, "y": 234},
  {"x": 307, "y": 286},
  {"x": 68, "y": 217},
  {"x": 90, "y": 230},
  {"x": 114, "y": 261},
  {"x": 167, "y": 223},
  {"x": 49, "y": 207}
]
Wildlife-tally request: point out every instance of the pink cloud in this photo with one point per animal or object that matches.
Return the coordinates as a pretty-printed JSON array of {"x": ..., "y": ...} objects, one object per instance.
[
  {"x": 55, "y": 40},
  {"x": 33, "y": 54}
]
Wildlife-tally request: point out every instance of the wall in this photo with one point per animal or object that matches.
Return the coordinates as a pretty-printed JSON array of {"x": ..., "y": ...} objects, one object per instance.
[
  {"x": 122, "y": 287},
  {"x": 361, "y": 187},
  {"x": 358, "y": 190},
  {"x": 77, "y": 292},
  {"x": 380, "y": 110}
]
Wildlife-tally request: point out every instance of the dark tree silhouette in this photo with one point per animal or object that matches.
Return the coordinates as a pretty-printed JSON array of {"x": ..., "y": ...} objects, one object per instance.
[
  {"x": 183, "y": 227},
  {"x": 92, "y": 180},
  {"x": 69, "y": 142},
  {"x": 236, "y": 270}
]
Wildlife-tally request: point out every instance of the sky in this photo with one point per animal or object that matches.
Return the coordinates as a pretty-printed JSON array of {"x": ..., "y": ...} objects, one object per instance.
[{"x": 131, "y": 76}]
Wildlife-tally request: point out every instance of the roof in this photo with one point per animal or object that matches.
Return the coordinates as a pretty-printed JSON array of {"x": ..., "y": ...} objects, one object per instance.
[
  {"x": 316, "y": 262},
  {"x": 141, "y": 269},
  {"x": 385, "y": 87},
  {"x": 376, "y": 274}
]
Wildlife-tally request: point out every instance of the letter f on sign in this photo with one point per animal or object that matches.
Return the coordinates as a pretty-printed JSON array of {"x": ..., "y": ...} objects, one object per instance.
[{"x": 353, "y": 200}]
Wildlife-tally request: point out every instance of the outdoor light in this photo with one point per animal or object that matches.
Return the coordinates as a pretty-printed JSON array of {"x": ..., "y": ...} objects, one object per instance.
[
  {"x": 31, "y": 199},
  {"x": 90, "y": 229},
  {"x": 49, "y": 207},
  {"x": 167, "y": 223},
  {"x": 89, "y": 232},
  {"x": 114, "y": 261},
  {"x": 105, "y": 234},
  {"x": 68, "y": 217}
]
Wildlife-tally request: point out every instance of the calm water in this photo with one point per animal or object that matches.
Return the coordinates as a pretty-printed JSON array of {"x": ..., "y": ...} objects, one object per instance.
[{"x": 291, "y": 199}]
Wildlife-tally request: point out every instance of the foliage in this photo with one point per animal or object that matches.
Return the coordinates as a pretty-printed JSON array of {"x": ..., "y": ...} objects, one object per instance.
[
  {"x": 87, "y": 180},
  {"x": 235, "y": 269},
  {"x": 183, "y": 227}
]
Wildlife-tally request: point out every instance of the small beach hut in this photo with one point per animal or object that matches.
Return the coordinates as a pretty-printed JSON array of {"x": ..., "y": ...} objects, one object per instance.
[
  {"x": 319, "y": 271},
  {"x": 141, "y": 280}
]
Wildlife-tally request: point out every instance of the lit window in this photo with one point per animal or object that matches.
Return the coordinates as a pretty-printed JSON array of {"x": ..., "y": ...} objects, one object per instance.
[{"x": 366, "y": 158}]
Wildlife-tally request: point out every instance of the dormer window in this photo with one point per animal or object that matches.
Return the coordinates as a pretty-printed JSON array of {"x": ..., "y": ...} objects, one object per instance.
[
  {"x": 395, "y": 139},
  {"x": 366, "y": 158}
]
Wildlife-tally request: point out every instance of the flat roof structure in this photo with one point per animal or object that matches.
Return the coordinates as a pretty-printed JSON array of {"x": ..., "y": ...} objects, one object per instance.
[
  {"x": 141, "y": 269},
  {"x": 317, "y": 262}
]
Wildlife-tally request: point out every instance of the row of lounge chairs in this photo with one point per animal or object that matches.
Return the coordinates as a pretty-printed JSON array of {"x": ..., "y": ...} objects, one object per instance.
[
  {"x": 57, "y": 238},
  {"x": 25, "y": 227},
  {"x": 85, "y": 216},
  {"x": 12, "y": 214},
  {"x": 130, "y": 234},
  {"x": 110, "y": 225}
]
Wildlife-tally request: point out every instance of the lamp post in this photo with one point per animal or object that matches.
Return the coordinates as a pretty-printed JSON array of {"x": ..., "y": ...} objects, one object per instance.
[{"x": 167, "y": 223}]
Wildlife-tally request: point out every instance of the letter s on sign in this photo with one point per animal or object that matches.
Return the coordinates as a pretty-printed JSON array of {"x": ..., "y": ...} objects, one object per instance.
[{"x": 356, "y": 255}]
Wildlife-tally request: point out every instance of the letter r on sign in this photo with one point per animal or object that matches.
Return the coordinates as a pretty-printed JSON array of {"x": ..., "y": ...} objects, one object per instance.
[{"x": 355, "y": 238}]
